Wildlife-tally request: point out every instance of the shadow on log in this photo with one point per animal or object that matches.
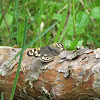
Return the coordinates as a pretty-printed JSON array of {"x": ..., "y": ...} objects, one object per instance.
[{"x": 72, "y": 75}]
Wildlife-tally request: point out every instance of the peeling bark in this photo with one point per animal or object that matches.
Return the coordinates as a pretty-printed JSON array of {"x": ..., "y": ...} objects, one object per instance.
[{"x": 72, "y": 75}]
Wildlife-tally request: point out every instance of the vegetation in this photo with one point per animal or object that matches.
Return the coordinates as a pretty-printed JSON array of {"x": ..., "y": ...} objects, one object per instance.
[
  {"x": 79, "y": 22},
  {"x": 70, "y": 22}
]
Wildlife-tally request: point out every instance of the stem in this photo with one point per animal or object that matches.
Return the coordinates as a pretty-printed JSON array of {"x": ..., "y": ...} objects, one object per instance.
[
  {"x": 16, "y": 6},
  {"x": 73, "y": 5},
  {"x": 5, "y": 21}
]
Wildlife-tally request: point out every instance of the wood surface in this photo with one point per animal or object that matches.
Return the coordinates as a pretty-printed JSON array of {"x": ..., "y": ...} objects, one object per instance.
[{"x": 73, "y": 75}]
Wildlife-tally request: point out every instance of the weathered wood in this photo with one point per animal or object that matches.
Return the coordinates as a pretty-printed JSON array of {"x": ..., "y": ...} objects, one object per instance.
[{"x": 72, "y": 75}]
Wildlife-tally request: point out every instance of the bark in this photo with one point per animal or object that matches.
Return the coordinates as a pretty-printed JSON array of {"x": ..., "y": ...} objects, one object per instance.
[{"x": 72, "y": 75}]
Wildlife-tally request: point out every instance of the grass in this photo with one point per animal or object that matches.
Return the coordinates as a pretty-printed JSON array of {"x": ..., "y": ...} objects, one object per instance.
[
  {"x": 19, "y": 65},
  {"x": 72, "y": 23},
  {"x": 2, "y": 98},
  {"x": 47, "y": 12}
]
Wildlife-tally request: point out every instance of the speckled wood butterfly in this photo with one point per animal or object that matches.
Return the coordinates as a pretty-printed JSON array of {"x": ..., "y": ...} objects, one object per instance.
[{"x": 47, "y": 53}]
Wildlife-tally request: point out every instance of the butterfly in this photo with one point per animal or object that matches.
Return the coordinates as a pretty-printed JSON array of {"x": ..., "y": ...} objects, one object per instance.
[{"x": 47, "y": 53}]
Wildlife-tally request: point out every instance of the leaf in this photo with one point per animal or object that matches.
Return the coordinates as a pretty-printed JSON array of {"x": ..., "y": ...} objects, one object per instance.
[
  {"x": 97, "y": 42},
  {"x": 72, "y": 44},
  {"x": 57, "y": 17},
  {"x": 68, "y": 43},
  {"x": 95, "y": 13},
  {"x": 9, "y": 19},
  {"x": 81, "y": 22},
  {"x": 80, "y": 43},
  {"x": 70, "y": 26},
  {"x": 90, "y": 38}
]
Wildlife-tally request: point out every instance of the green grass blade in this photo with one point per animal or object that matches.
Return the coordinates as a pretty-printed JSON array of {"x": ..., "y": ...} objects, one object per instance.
[
  {"x": 12, "y": 26},
  {"x": 21, "y": 55},
  {"x": 25, "y": 31},
  {"x": 2, "y": 98},
  {"x": 17, "y": 73},
  {"x": 74, "y": 28},
  {"x": 33, "y": 21},
  {"x": 62, "y": 35},
  {"x": 16, "y": 6}
]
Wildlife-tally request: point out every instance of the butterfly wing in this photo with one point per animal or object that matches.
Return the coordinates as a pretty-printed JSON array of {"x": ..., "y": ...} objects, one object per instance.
[
  {"x": 43, "y": 53},
  {"x": 47, "y": 58},
  {"x": 36, "y": 52},
  {"x": 56, "y": 48},
  {"x": 47, "y": 53}
]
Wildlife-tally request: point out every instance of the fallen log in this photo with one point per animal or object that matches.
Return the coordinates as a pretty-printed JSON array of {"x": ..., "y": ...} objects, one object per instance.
[{"x": 71, "y": 75}]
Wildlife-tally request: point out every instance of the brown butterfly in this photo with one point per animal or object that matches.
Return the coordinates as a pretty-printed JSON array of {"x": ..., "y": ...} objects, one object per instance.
[{"x": 47, "y": 53}]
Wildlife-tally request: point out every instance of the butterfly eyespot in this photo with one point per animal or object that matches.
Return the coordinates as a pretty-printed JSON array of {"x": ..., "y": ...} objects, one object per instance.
[
  {"x": 46, "y": 59},
  {"x": 30, "y": 53},
  {"x": 45, "y": 54},
  {"x": 37, "y": 55},
  {"x": 32, "y": 50},
  {"x": 43, "y": 57},
  {"x": 60, "y": 46},
  {"x": 36, "y": 52}
]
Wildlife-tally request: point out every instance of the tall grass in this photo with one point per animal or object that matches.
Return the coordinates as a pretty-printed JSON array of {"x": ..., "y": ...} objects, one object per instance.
[
  {"x": 72, "y": 23},
  {"x": 19, "y": 65},
  {"x": 2, "y": 98}
]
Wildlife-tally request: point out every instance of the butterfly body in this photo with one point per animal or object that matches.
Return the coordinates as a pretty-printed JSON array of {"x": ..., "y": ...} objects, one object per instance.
[{"x": 47, "y": 53}]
